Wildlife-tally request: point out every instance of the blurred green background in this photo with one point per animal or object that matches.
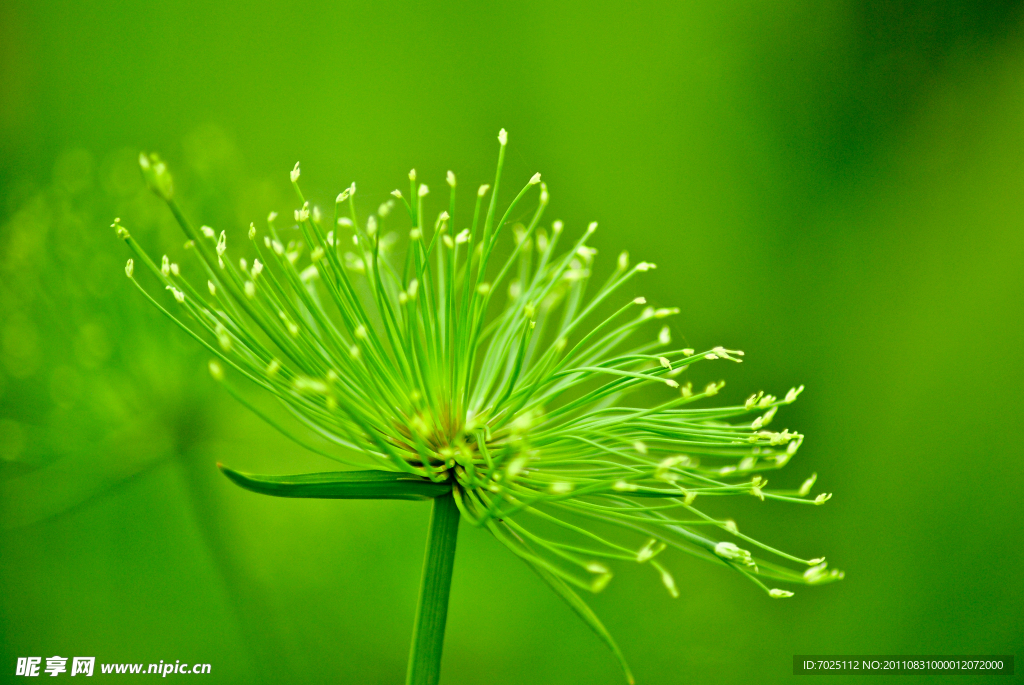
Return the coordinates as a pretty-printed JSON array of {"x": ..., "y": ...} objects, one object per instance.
[{"x": 835, "y": 188}]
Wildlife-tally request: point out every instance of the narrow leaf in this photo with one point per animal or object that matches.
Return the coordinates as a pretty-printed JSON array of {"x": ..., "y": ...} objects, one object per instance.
[
  {"x": 574, "y": 601},
  {"x": 341, "y": 485}
]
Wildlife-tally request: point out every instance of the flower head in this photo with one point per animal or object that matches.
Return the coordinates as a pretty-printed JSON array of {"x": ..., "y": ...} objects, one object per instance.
[{"x": 499, "y": 371}]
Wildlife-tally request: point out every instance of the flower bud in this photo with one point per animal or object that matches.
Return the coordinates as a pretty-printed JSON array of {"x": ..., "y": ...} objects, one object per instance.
[{"x": 158, "y": 178}]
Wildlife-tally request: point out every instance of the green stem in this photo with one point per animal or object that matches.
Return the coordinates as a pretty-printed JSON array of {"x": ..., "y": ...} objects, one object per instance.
[{"x": 432, "y": 611}]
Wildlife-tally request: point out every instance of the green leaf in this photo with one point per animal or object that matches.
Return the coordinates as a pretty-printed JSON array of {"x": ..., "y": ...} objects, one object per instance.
[
  {"x": 574, "y": 601},
  {"x": 341, "y": 485}
]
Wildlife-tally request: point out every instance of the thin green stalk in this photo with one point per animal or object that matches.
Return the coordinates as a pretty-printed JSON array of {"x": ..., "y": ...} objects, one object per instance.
[{"x": 432, "y": 611}]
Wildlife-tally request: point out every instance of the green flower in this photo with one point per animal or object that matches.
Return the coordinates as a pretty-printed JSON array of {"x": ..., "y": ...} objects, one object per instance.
[{"x": 488, "y": 385}]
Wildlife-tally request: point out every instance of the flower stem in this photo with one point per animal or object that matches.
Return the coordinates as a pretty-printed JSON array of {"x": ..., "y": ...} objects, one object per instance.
[{"x": 432, "y": 611}]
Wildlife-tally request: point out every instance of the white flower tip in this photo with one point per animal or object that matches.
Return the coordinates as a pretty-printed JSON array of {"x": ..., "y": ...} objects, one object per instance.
[
  {"x": 216, "y": 370},
  {"x": 823, "y": 497},
  {"x": 129, "y": 268},
  {"x": 776, "y": 592},
  {"x": 722, "y": 353},
  {"x": 665, "y": 472},
  {"x": 671, "y": 383},
  {"x": 423, "y": 190},
  {"x": 503, "y": 137},
  {"x": 731, "y": 552},
  {"x": 650, "y": 550},
  {"x": 640, "y": 300},
  {"x": 601, "y": 582},
  {"x": 482, "y": 190},
  {"x": 535, "y": 179},
  {"x": 645, "y": 266},
  {"x": 443, "y": 216},
  {"x": 412, "y": 174},
  {"x": 817, "y": 573},
  {"x": 212, "y": 288},
  {"x": 178, "y": 295},
  {"x": 805, "y": 489},
  {"x": 296, "y": 172},
  {"x": 591, "y": 227},
  {"x": 394, "y": 193},
  {"x": 515, "y": 467},
  {"x": 450, "y": 177},
  {"x": 157, "y": 177},
  {"x": 666, "y": 363},
  {"x": 670, "y": 584}
]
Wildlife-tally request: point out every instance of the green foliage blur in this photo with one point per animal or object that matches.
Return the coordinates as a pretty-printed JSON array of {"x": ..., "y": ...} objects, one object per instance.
[{"x": 835, "y": 188}]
